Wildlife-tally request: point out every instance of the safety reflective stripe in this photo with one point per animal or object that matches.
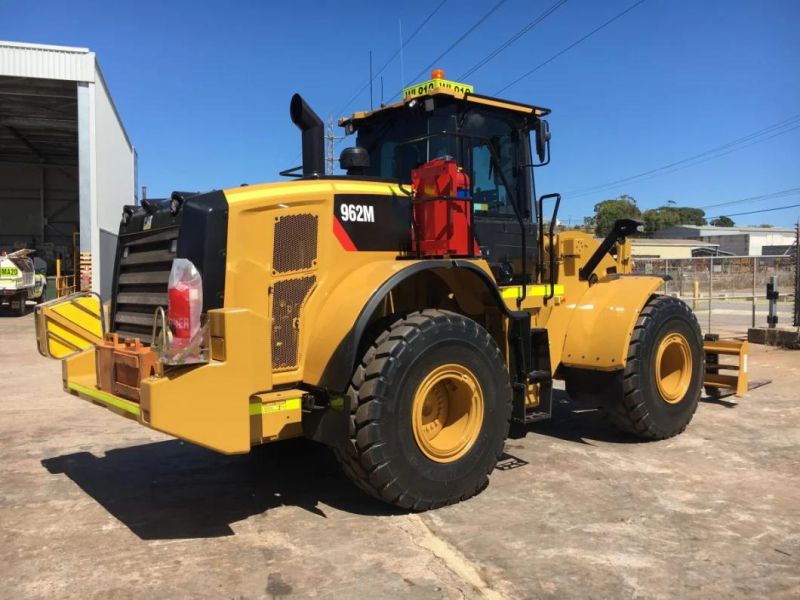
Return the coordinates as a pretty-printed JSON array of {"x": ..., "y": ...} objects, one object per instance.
[
  {"x": 280, "y": 406},
  {"x": 105, "y": 398},
  {"x": 533, "y": 291}
]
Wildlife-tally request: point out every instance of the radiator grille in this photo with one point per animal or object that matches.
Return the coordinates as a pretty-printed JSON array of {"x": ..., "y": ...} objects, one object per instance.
[
  {"x": 295, "y": 243},
  {"x": 289, "y": 295},
  {"x": 145, "y": 260}
]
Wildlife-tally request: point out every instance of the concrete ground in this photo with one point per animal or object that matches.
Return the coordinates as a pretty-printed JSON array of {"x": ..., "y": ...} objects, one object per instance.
[{"x": 93, "y": 506}]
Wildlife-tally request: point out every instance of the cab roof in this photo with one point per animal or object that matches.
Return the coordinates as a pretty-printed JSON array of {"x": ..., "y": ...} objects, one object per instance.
[{"x": 442, "y": 87}]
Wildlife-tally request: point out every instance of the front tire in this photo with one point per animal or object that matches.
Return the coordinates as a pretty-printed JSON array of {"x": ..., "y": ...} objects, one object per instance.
[
  {"x": 432, "y": 404},
  {"x": 656, "y": 395},
  {"x": 663, "y": 374}
]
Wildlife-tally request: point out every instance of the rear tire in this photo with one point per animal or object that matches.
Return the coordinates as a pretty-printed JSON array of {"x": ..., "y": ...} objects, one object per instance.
[{"x": 432, "y": 404}]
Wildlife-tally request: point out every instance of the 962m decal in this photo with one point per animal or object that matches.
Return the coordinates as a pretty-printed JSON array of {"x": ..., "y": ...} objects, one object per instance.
[{"x": 372, "y": 222}]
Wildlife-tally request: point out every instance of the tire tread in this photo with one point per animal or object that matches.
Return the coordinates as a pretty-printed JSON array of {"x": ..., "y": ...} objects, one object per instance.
[{"x": 371, "y": 470}]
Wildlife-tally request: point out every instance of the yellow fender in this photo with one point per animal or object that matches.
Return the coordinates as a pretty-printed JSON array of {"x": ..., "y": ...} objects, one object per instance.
[
  {"x": 599, "y": 331},
  {"x": 336, "y": 313},
  {"x": 342, "y": 313}
]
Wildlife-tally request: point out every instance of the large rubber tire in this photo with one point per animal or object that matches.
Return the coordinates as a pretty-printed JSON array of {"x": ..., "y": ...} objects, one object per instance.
[
  {"x": 382, "y": 455},
  {"x": 641, "y": 409},
  {"x": 21, "y": 298}
]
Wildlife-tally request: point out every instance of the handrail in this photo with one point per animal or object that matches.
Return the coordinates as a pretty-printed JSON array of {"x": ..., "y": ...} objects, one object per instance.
[{"x": 540, "y": 209}]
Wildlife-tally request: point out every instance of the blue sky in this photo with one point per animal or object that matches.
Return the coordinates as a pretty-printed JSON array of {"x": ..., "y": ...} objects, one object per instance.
[{"x": 204, "y": 88}]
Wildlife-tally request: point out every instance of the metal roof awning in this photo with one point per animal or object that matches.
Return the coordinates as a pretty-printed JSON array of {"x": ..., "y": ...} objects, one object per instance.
[{"x": 38, "y": 122}]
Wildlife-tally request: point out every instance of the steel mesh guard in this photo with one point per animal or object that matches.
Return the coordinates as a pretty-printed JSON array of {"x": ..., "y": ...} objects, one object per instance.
[
  {"x": 295, "y": 242},
  {"x": 289, "y": 295}
]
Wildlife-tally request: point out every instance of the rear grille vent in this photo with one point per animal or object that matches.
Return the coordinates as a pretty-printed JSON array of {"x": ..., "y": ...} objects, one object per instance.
[
  {"x": 295, "y": 246},
  {"x": 289, "y": 296},
  {"x": 145, "y": 261}
]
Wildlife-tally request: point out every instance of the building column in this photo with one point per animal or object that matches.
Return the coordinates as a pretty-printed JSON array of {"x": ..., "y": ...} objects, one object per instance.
[{"x": 87, "y": 173}]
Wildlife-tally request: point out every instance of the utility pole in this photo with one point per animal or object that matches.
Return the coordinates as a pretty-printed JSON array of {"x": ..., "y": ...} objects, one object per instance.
[{"x": 330, "y": 147}]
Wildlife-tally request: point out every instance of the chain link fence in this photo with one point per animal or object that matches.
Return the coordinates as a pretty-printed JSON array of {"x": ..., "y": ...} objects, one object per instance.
[
  {"x": 797, "y": 275},
  {"x": 728, "y": 293}
]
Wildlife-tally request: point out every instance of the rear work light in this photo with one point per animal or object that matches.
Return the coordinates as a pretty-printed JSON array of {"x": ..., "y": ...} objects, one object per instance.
[{"x": 185, "y": 302}]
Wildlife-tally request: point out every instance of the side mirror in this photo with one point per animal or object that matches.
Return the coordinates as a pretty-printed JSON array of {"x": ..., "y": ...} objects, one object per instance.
[{"x": 542, "y": 139}]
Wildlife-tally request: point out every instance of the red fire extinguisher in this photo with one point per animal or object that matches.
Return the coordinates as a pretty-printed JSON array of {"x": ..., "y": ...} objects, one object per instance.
[{"x": 185, "y": 302}]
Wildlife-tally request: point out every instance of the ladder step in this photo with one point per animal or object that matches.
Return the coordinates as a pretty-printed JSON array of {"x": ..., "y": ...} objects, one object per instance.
[
  {"x": 532, "y": 416},
  {"x": 539, "y": 376}
]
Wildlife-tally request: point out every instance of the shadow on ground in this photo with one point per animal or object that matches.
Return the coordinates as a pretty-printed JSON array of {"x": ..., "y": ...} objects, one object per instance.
[
  {"x": 584, "y": 424},
  {"x": 577, "y": 422},
  {"x": 173, "y": 490},
  {"x": 7, "y": 313}
]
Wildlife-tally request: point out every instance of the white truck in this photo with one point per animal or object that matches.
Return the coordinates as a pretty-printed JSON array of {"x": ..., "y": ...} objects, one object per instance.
[{"x": 19, "y": 281}]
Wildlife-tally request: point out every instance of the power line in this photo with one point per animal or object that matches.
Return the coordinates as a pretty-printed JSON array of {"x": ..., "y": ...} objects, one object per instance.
[
  {"x": 713, "y": 157},
  {"x": 460, "y": 39},
  {"x": 752, "y": 212},
  {"x": 492, "y": 55},
  {"x": 709, "y": 154},
  {"x": 571, "y": 46},
  {"x": 770, "y": 196},
  {"x": 393, "y": 56}
]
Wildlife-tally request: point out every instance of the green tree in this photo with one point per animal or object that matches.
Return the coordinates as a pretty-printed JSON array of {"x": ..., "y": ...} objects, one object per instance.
[
  {"x": 691, "y": 216},
  {"x": 722, "y": 221},
  {"x": 766, "y": 226},
  {"x": 608, "y": 211},
  {"x": 664, "y": 217}
]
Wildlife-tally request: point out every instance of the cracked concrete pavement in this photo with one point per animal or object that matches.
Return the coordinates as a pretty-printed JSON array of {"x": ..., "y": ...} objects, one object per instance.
[{"x": 93, "y": 506}]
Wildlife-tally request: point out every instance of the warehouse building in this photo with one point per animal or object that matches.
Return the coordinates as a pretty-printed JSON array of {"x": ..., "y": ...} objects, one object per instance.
[
  {"x": 67, "y": 166},
  {"x": 734, "y": 241},
  {"x": 668, "y": 248}
]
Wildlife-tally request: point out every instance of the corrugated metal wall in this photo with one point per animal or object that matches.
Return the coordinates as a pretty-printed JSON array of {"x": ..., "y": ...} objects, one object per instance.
[{"x": 47, "y": 62}]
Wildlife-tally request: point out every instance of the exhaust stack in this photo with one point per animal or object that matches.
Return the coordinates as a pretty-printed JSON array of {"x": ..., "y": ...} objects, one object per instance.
[{"x": 313, "y": 144}]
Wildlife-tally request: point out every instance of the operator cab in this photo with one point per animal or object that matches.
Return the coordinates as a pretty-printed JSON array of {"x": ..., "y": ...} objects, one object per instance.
[{"x": 489, "y": 140}]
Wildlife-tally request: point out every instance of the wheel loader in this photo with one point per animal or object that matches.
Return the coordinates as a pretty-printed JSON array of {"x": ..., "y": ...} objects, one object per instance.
[{"x": 405, "y": 312}]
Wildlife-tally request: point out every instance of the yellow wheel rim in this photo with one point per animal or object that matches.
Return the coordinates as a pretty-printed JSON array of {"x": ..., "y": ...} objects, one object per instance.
[
  {"x": 447, "y": 413},
  {"x": 673, "y": 368}
]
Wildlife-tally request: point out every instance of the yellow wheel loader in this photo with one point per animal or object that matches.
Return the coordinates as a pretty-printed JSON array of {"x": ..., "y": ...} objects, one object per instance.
[{"x": 405, "y": 312}]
